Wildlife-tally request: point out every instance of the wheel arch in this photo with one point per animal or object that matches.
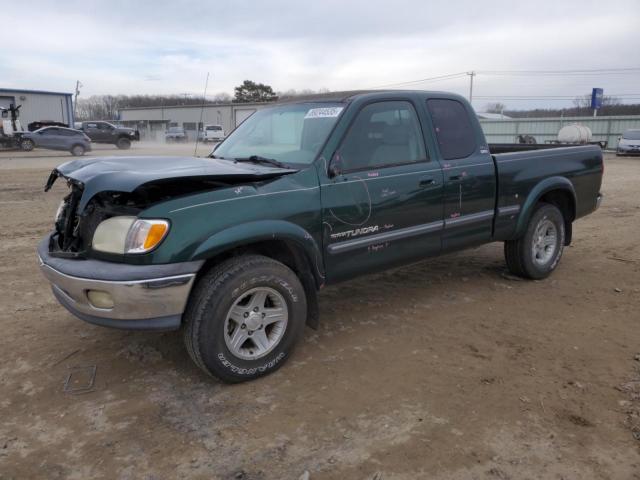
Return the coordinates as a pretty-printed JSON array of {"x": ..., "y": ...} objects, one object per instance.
[
  {"x": 282, "y": 241},
  {"x": 557, "y": 191}
]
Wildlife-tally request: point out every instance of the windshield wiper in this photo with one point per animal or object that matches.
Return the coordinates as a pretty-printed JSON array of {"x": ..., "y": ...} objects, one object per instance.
[{"x": 259, "y": 159}]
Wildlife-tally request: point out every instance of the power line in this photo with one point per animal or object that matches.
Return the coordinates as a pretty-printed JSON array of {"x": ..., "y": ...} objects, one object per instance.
[
  {"x": 595, "y": 71},
  {"x": 422, "y": 80}
]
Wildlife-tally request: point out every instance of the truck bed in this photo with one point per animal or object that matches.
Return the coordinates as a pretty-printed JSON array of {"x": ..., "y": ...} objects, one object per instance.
[{"x": 520, "y": 172}]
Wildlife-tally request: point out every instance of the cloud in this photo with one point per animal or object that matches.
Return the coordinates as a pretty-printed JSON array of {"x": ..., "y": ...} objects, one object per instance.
[{"x": 168, "y": 47}]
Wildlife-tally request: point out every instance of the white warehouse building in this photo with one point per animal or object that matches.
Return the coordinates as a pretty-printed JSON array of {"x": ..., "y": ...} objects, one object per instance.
[
  {"x": 39, "y": 106},
  {"x": 153, "y": 121}
]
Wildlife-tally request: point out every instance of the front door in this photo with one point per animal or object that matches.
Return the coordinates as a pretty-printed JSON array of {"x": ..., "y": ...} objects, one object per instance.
[
  {"x": 383, "y": 204},
  {"x": 92, "y": 131},
  {"x": 469, "y": 175}
]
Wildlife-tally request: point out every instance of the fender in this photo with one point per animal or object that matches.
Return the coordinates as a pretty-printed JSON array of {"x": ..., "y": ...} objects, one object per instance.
[
  {"x": 546, "y": 185},
  {"x": 259, "y": 231}
]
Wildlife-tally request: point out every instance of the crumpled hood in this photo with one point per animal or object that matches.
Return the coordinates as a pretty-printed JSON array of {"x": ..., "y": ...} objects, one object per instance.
[{"x": 125, "y": 174}]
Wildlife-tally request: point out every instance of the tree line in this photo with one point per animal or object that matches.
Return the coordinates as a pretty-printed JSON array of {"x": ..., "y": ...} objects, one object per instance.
[
  {"x": 581, "y": 108},
  {"x": 106, "y": 107}
]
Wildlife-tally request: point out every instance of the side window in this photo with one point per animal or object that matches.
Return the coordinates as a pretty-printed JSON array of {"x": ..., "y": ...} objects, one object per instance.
[
  {"x": 455, "y": 134},
  {"x": 383, "y": 134},
  {"x": 50, "y": 131},
  {"x": 68, "y": 133},
  {"x": 91, "y": 125}
]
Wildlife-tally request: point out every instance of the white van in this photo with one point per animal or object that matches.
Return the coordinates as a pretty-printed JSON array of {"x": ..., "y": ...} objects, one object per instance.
[{"x": 213, "y": 133}]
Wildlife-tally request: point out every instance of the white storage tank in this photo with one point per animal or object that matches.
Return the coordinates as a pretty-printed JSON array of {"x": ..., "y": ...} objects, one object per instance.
[{"x": 574, "y": 134}]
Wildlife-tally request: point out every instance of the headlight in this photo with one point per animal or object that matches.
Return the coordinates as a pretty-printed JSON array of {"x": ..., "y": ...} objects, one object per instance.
[{"x": 129, "y": 235}]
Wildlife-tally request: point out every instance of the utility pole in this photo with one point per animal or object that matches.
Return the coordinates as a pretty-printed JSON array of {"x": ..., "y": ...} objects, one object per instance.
[
  {"x": 75, "y": 101},
  {"x": 471, "y": 75}
]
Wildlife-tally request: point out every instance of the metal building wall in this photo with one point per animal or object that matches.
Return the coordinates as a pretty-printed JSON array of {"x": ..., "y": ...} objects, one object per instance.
[
  {"x": 543, "y": 129},
  {"x": 152, "y": 121},
  {"x": 39, "y": 106}
]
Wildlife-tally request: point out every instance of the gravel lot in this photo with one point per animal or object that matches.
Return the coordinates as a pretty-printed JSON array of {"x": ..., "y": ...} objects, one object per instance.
[{"x": 446, "y": 369}]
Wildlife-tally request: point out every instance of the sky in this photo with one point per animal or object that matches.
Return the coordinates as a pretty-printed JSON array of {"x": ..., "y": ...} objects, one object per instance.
[{"x": 162, "y": 47}]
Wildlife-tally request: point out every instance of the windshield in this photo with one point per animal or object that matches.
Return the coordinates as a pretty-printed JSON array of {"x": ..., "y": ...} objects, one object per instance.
[
  {"x": 214, "y": 128},
  {"x": 291, "y": 134},
  {"x": 175, "y": 130},
  {"x": 631, "y": 135}
]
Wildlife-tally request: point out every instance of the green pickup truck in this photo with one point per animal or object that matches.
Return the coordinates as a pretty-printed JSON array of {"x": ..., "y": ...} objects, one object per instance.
[{"x": 232, "y": 249}]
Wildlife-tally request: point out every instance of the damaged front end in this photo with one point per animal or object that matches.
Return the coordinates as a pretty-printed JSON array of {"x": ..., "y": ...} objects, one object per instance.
[
  {"x": 65, "y": 240},
  {"x": 75, "y": 226},
  {"x": 101, "y": 189}
]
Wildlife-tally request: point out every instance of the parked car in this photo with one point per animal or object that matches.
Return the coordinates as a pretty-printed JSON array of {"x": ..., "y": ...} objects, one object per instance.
[
  {"x": 105, "y": 132},
  {"x": 57, "y": 138},
  {"x": 629, "y": 143},
  {"x": 213, "y": 133},
  {"x": 232, "y": 249},
  {"x": 175, "y": 134}
]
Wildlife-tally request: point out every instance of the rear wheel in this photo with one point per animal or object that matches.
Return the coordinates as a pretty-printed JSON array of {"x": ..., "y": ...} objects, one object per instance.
[
  {"x": 27, "y": 145},
  {"x": 123, "y": 143},
  {"x": 537, "y": 253},
  {"x": 244, "y": 318},
  {"x": 77, "y": 150}
]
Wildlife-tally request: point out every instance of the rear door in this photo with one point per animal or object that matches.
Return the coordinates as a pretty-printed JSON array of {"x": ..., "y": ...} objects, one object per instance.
[
  {"x": 49, "y": 138},
  {"x": 469, "y": 174},
  {"x": 383, "y": 205}
]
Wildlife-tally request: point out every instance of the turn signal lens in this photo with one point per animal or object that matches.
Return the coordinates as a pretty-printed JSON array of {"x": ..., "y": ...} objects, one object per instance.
[
  {"x": 145, "y": 235},
  {"x": 156, "y": 233}
]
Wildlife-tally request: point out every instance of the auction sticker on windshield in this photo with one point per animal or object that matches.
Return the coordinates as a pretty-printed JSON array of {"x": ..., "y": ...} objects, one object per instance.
[{"x": 326, "y": 112}]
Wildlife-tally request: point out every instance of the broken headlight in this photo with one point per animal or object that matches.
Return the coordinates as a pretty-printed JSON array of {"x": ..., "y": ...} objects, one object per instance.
[{"x": 125, "y": 234}]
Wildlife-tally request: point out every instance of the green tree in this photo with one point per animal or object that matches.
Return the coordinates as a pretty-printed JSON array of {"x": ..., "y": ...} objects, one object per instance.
[{"x": 254, "y": 92}]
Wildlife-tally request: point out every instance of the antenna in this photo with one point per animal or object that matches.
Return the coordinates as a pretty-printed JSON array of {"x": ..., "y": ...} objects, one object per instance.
[{"x": 204, "y": 99}]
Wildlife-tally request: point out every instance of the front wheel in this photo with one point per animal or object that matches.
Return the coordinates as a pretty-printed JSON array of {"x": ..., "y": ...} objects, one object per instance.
[
  {"x": 537, "y": 253},
  {"x": 244, "y": 318},
  {"x": 27, "y": 145}
]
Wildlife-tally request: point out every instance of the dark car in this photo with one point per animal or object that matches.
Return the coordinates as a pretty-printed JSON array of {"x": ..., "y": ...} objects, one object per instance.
[
  {"x": 57, "y": 138},
  {"x": 105, "y": 132},
  {"x": 175, "y": 134}
]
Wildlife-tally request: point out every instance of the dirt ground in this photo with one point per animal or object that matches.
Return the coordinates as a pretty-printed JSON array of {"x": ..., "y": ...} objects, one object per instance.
[{"x": 447, "y": 369}]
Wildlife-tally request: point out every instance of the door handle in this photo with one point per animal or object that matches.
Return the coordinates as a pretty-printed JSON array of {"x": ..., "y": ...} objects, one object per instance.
[
  {"x": 427, "y": 182},
  {"x": 455, "y": 178}
]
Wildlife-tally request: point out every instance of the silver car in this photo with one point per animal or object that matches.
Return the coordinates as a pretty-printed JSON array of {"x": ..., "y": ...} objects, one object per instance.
[
  {"x": 629, "y": 143},
  {"x": 57, "y": 138}
]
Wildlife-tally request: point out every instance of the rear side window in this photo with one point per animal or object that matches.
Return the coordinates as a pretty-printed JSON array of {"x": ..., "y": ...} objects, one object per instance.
[
  {"x": 68, "y": 133},
  {"x": 454, "y": 132}
]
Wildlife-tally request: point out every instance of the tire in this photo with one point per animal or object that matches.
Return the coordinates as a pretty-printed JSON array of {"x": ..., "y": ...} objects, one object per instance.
[
  {"x": 537, "y": 253},
  {"x": 224, "y": 299},
  {"x": 77, "y": 150},
  {"x": 123, "y": 143},
  {"x": 27, "y": 145}
]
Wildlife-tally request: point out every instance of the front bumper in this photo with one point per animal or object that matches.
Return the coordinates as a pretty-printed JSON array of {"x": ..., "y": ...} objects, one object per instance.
[
  {"x": 145, "y": 297},
  {"x": 628, "y": 151}
]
